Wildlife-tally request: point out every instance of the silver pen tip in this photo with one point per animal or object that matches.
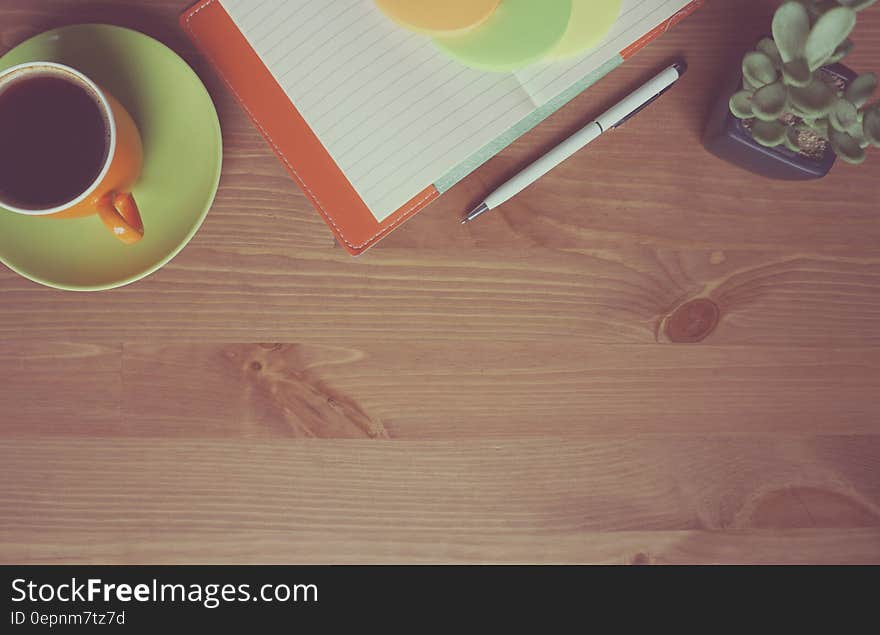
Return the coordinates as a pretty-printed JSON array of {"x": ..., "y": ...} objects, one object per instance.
[{"x": 475, "y": 213}]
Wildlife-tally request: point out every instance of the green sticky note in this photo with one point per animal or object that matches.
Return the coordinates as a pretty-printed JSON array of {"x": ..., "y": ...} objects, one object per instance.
[
  {"x": 591, "y": 21},
  {"x": 518, "y": 33}
]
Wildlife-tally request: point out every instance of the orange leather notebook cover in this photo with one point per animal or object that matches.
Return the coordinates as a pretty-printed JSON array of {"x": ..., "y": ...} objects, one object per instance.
[{"x": 296, "y": 144}]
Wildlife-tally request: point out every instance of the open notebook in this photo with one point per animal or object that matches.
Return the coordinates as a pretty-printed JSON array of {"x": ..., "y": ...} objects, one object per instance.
[{"x": 372, "y": 120}]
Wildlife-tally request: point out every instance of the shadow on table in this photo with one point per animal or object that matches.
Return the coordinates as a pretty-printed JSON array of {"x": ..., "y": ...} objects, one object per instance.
[{"x": 158, "y": 23}]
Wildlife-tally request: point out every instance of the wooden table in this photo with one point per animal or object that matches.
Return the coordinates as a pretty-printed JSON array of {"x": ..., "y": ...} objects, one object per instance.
[{"x": 501, "y": 392}]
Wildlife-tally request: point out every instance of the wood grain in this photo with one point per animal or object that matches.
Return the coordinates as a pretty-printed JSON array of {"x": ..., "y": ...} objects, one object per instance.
[
  {"x": 723, "y": 500},
  {"x": 509, "y": 391},
  {"x": 438, "y": 391}
]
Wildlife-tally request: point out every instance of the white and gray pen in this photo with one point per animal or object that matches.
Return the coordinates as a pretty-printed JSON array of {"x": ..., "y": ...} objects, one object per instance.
[{"x": 613, "y": 118}]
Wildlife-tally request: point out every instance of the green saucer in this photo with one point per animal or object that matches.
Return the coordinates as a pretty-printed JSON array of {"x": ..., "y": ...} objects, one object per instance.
[{"x": 183, "y": 154}]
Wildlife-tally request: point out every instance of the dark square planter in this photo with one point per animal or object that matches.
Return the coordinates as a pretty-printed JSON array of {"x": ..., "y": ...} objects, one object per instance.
[{"x": 726, "y": 137}]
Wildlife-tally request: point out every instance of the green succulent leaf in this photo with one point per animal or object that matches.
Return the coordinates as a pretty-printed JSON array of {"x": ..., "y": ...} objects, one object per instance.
[
  {"x": 816, "y": 99},
  {"x": 758, "y": 69},
  {"x": 844, "y": 116},
  {"x": 768, "y": 47},
  {"x": 797, "y": 73},
  {"x": 769, "y": 133},
  {"x": 847, "y": 147},
  {"x": 861, "y": 88},
  {"x": 841, "y": 52},
  {"x": 858, "y": 133},
  {"x": 829, "y": 32},
  {"x": 791, "y": 30},
  {"x": 794, "y": 110},
  {"x": 748, "y": 85},
  {"x": 741, "y": 105},
  {"x": 871, "y": 125},
  {"x": 820, "y": 127},
  {"x": 792, "y": 136},
  {"x": 768, "y": 103}
]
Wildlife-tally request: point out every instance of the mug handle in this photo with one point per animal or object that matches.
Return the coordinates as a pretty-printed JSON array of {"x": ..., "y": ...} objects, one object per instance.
[{"x": 121, "y": 216}]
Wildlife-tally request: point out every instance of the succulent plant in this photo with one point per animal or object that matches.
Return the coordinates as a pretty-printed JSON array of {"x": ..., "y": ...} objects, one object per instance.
[{"x": 786, "y": 95}]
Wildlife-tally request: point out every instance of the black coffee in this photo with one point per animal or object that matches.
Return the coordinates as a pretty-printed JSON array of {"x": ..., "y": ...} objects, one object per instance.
[{"x": 54, "y": 140}]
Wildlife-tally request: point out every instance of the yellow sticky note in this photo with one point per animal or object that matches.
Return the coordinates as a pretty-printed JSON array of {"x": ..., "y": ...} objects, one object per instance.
[
  {"x": 591, "y": 21},
  {"x": 438, "y": 16}
]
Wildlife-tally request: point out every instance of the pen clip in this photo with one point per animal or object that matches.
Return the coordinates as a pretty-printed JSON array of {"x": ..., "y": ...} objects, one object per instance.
[{"x": 642, "y": 107}]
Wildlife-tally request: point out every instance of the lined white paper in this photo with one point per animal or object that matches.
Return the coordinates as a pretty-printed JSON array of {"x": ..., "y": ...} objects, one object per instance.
[
  {"x": 395, "y": 113},
  {"x": 544, "y": 82}
]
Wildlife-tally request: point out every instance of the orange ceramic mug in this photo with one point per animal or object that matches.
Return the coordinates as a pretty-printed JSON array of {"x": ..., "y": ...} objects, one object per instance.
[{"x": 109, "y": 194}]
